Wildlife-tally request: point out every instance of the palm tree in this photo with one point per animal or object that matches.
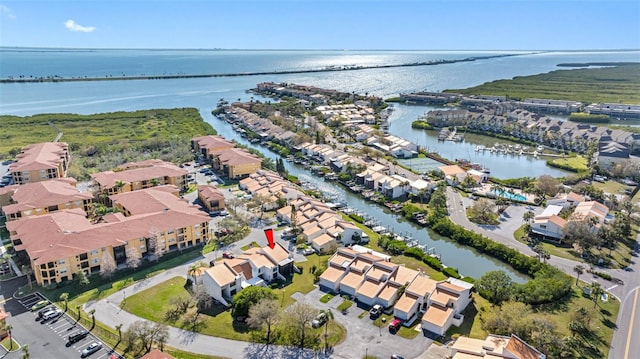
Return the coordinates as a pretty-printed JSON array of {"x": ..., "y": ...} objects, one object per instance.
[
  {"x": 26, "y": 270},
  {"x": 65, "y": 298},
  {"x": 119, "y": 329},
  {"x": 25, "y": 351},
  {"x": 93, "y": 319},
  {"x": 596, "y": 291},
  {"x": 328, "y": 316},
  {"x": 8, "y": 328},
  {"x": 579, "y": 269},
  {"x": 78, "y": 319}
]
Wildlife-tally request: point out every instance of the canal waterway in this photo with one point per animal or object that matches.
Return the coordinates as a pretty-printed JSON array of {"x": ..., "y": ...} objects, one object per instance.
[
  {"x": 469, "y": 261},
  {"x": 501, "y": 165}
]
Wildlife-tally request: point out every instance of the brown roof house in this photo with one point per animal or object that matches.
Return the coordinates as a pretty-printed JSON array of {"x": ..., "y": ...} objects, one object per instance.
[
  {"x": 446, "y": 305},
  {"x": 156, "y": 354},
  {"x": 211, "y": 198},
  {"x": 206, "y": 145},
  {"x": 33, "y": 199},
  {"x": 140, "y": 175},
  {"x": 40, "y": 162},
  {"x": 494, "y": 346},
  {"x": 256, "y": 266}
]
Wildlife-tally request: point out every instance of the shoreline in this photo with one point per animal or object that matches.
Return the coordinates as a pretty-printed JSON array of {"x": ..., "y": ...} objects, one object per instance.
[{"x": 237, "y": 74}]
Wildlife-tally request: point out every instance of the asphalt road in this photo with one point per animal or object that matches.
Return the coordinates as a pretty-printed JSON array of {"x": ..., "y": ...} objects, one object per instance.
[{"x": 625, "y": 344}]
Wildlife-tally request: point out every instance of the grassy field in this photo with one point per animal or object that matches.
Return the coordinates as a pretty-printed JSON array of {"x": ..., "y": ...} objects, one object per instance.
[
  {"x": 104, "y": 128},
  {"x": 608, "y": 84},
  {"x": 216, "y": 321},
  {"x": 577, "y": 163}
]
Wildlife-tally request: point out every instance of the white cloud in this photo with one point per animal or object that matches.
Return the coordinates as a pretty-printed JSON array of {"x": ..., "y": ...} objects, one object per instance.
[
  {"x": 74, "y": 26},
  {"x": 6, "y": 11}
]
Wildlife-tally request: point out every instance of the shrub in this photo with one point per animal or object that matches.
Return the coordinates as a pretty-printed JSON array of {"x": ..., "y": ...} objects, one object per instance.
[
  {"x": 451, "y": 272},
  {"x": 356, "y": 217},
  {"x": 432, "y": 262}
]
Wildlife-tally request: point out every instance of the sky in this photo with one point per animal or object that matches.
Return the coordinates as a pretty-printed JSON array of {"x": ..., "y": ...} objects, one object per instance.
[{"x": 323, "y": 24}]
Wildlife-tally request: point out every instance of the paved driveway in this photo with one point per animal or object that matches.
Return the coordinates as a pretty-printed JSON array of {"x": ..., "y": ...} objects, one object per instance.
[{"x": 364, "y": 337}]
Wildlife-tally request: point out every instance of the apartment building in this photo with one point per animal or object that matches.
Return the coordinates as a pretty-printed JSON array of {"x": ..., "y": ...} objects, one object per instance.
[
  {"x": 135, "y": 176},
  {"x": 38, "y": 198},
  {"x": 40, "y": 162},
  {"x": 60, "y": 244}
]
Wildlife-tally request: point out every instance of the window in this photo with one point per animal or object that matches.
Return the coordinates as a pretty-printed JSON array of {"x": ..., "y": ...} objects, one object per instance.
[
  {"x": 62, "y": 261},
  {"x": 94, "y": 252},
  {"x": 63, "y": 270},
  {"x": 142, "y": 247},
  {"x": 170, "y": 232},
  {"x": 95, "y": 260}
]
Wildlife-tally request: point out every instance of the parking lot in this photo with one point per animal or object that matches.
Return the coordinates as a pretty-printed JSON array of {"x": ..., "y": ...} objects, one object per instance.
[{"x": 49, "y": 339}]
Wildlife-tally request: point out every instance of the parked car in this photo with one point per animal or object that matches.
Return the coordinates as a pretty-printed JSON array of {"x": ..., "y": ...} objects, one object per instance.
[
  {"x": 375, "y": 311},
  {"x": 43, "y": 311},
  {"x": 396, "y": 356},
  {"x": 41, "y": 304},
  {"x": 76, "y": 337},
  {"x": 52, "y": 314},
  {"x": 308, "y": 251},
  {"x": 319, "y": 320},
  {"x": 92, "y": 348},
  {"x": 224, "y": 213},
  {"x": 227, "y": 255},
  {"x": 395, "y": 325}
]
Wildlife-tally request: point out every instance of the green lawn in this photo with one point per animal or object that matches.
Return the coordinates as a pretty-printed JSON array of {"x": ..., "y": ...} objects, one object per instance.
[
  {"x": 6, "y": 344},
  {"x": 613, "y": 187},
  {"x": 577, "y": 163}
]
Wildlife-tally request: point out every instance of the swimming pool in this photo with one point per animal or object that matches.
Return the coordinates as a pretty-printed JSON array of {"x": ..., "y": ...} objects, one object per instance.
[{"x": 511, "y": 196}]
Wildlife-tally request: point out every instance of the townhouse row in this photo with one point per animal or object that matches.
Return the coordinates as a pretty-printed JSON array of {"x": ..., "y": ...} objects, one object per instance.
[
  {"x": 370, "y": 278},
  {"x": 225, "y": 158}
]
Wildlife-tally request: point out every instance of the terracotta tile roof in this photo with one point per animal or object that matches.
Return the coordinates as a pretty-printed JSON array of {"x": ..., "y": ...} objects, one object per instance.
[
  {"x": 522, "y": 349},
  {"x": 370, "y": 288},
  {"x": 380, "y": 270},
  {"x": 40, "y": 156},
  {"x": 352, "y": 279},
  {"x": 343, "y": 257},
  {"x": 322, "y": 240},
  {"x": 422, "y": 285},
  {"x": 213, "y": 142},
  {"x": 156, "y": 354},
  {"x": 210, "y": 192},
  {"x": 404, "y": 275},
  {"x": 591, "y": 209},
  {"x": 258, "y": 259},
  {"x": 332, "y": 274},
  {"x": 236, "y": 156},
  {"x": 469, "y": 345},
  {"x": 388, "y": 291},
  {"x": 451, "y": 288},
  {"x": 3, "y": 314},
  {"x": 558, "y": 221},
  {"x": 278, "y": 253},
  {"x": 222, "y": 273},
  {"x": 451, "y": 170},
  {"x": 242, "y": 266},
  {"x": 155, "y": 199},
  {"x": 406, "y": 302},
  {"x": 44, "y": 194},
  {"x": 108, "y": 179},
  {"x": 437, "y": 314},
  {"x": 68, "y": 233}
]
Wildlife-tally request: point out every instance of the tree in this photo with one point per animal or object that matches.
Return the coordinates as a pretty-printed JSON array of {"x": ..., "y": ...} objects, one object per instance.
[
  {"x": 596, "y": 292},
  {"x": 249, "y": 296},
  {"x": 264, "y": 313},
  {"x": 25, "y": 352},
  {"x": 141, "y": 335},
  {"x": 258, "y": 202},
  {"x": 328, "y": 316},
  {"x": 153, "y": 244},
  {"x": 93, "y": 319},
  {"x": 547, "y": 185},
  {"x": 81, "y": 278},
  {"x": 580, "y": 232},
  {"x": 233, "y": 204},
  {"x": 528, "y": 216},
  {"x": 8, "y": 328},
  {"x": 107, "y": 265},
  {"x": 298, "y": 318},
  {"x": 482, "y": 211},
  {"x": 26, "y": 270},
  {"x": 119, "y": 329},
  {"x": 495, "y": 286},
  {"x": 510, "y": 318},
  {"x": 202, "y": 299},
  {"x": 65, "y": 298},
  {"x": 579, "y": 269},
  {"x": 133, "y": 259},
  {"x": 79, "y": 313}
]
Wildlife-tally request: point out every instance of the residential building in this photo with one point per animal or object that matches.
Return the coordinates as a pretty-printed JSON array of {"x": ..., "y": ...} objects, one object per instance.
[
  {"x": 3, "y": 323},
  {"x": 40, "y": 162},
  {"x": 494, "y": 346},
  {"x": 446, "y": 305},
  {"x": 37, "y": 198},
  {"x": 415, "y": 298},
  {"x": 611, "y": 153},
  {"x": 211, "y": 198},
  {"x": 135, "y": 176},
  {"x": 566, "y": 200},
  {"x": 235, "y": 162},
  {"x": 150, "y": 222},
  {"x": 255, "y": 267},
  {"x": 269, "y": 184},
  {"x": 453, "y": 174},
  {"x": 207, "y": 145},
  {"x": 549, "y": 224},
  {"x": 591, "y": 209}
]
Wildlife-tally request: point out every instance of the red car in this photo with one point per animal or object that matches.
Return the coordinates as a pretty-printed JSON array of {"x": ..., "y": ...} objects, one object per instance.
[
  {"x": 227, "y": 255},
  {"x": 395, "y": 325}
]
